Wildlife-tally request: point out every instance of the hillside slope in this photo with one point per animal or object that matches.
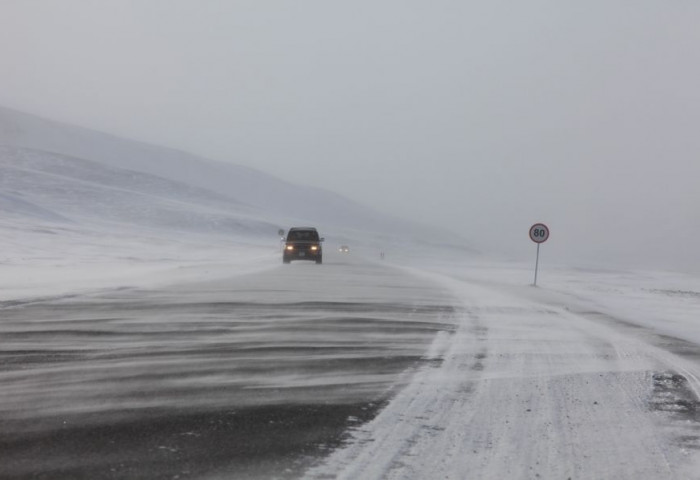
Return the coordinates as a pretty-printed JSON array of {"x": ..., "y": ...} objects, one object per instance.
[{"x": 274, "y": 197}]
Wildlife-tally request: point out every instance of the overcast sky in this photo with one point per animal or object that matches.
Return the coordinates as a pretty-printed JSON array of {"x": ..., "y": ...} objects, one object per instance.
[{"x": 482, "y": 116}]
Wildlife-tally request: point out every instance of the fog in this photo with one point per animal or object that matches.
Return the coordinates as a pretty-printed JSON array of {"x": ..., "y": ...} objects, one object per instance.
[{"x": 482, "y": 117}]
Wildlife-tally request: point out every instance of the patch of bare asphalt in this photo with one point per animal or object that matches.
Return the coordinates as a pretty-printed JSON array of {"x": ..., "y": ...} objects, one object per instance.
[
  {"x": 675, "y": 293},
  {"x": 672, "y": 396},
  {"x": 278, "y": 441},
  {"x": 197, "y": 389}
]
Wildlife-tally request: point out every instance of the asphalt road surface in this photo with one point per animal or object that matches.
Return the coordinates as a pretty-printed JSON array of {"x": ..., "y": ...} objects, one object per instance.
[{"x": 252, "y": 377}]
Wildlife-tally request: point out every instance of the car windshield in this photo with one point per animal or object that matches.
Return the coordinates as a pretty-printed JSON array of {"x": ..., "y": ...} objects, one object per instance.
[{"x": 303, "y": 235}]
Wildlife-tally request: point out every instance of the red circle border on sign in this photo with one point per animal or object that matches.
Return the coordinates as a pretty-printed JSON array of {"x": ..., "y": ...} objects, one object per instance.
[{"x": 536, "y": 239}]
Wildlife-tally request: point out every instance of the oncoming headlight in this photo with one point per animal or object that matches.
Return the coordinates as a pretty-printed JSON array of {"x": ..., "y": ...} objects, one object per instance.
[
  {"x": 314, "y": 247},
  {"x": 289, "y": 247}
]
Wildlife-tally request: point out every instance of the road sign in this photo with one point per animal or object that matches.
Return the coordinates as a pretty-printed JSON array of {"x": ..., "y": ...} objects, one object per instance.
[{"x": 539, "y": 233}]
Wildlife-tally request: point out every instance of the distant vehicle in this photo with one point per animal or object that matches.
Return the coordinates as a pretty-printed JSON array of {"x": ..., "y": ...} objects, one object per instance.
[
  {"x": 344, "y": 249},
  {"x": 303, "y": 243}
]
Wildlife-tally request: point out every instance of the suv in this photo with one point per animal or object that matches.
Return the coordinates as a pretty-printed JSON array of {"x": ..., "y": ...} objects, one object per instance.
[{"x": 303, "y": 243}]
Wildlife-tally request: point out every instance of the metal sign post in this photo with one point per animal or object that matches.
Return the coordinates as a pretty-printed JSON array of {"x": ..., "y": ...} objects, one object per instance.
[{"x": 539, "y": 233}]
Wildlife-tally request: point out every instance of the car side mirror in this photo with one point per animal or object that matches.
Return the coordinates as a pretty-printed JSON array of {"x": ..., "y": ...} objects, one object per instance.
[{"x": 323, "y": 239}]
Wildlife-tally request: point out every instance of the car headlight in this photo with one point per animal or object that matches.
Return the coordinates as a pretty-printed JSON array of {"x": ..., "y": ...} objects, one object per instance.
[
  {"x": 289, "y": 247},
  {"x": 314, "y": 247}
]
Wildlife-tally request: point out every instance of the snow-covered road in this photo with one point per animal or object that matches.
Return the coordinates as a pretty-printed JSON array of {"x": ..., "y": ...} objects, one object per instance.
[
  {"x": 528, "y": 387},
  {"x": 352, "y": 369}
]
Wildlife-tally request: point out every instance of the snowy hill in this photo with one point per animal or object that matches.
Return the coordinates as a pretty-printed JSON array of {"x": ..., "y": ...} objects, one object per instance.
[
  {"x": 278, "y": 201},
  {"x": 56, "y": 187}
]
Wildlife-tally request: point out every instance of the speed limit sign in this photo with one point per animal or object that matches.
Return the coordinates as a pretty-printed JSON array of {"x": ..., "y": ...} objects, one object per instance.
[{"x": 539, "y": 233}]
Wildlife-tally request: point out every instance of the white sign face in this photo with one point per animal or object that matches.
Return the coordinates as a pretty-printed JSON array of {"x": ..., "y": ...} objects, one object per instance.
[{"x": 539, "y": 233}]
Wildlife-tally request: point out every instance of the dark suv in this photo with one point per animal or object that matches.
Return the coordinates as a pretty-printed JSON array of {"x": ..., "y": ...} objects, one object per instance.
[{"x": 303, "y": 243}]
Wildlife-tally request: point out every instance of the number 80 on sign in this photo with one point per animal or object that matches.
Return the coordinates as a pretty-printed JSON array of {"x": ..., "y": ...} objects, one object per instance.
[{"x": 539, "y": 233}]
